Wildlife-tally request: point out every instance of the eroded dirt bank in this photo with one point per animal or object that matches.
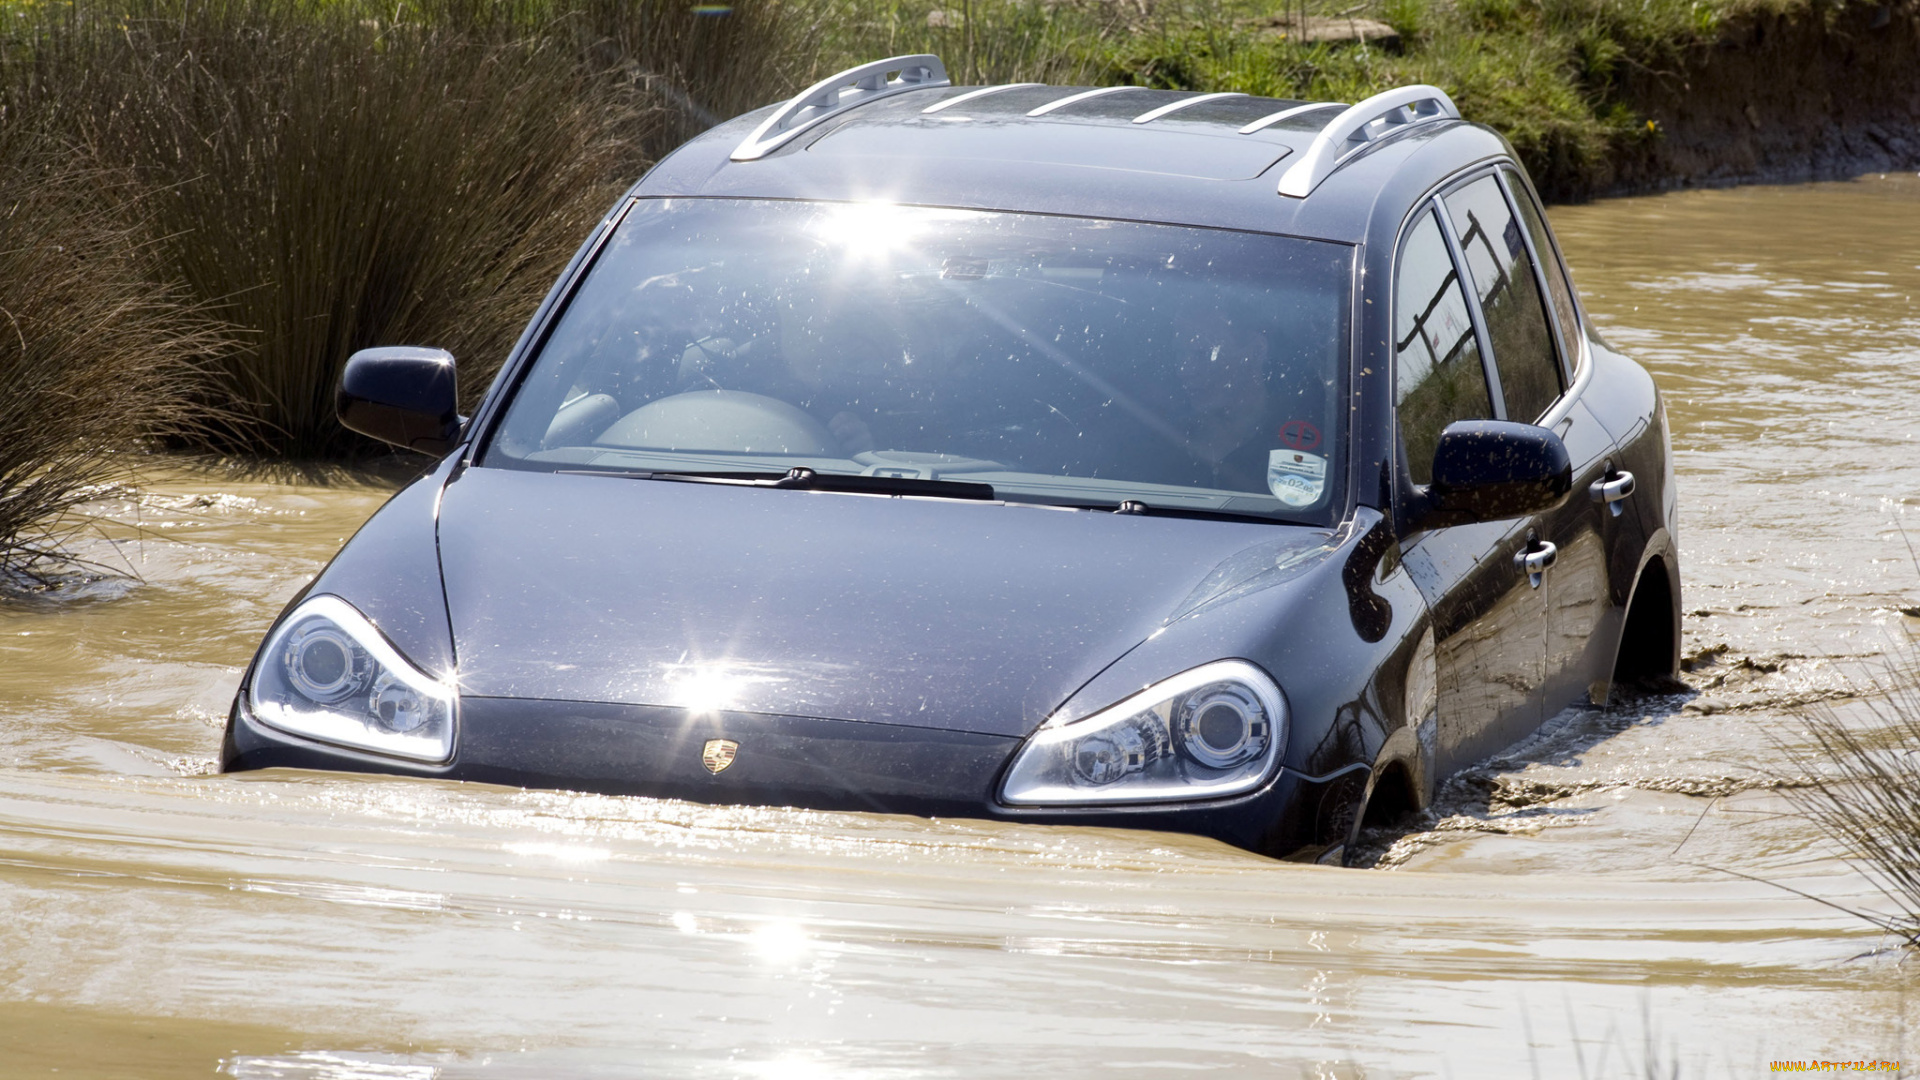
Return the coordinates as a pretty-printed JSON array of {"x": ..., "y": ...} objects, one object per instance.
[{"x": 1820, "y": 94}]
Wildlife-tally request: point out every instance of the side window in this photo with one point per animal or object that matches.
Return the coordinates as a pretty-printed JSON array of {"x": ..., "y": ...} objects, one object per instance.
[
  {"x": 1438, "y": 374},
  {"x": 1559, "y": 289},
  {"x": 1502, "y": 275}
]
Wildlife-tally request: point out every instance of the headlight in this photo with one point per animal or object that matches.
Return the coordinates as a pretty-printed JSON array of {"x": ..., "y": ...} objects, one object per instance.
[
  {"x": 326, "y": 673},
  {"x": 1206, "y": 733}
]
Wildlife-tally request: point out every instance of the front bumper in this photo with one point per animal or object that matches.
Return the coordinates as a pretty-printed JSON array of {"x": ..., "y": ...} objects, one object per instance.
[{"x": 782, "y": 761}]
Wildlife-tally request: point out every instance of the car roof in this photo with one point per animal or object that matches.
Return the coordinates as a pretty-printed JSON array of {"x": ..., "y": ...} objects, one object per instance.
[{"x": 1129, "y": 153}]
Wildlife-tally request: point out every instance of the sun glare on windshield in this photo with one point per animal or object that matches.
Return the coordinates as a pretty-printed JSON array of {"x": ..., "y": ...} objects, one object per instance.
[
  {"x": 1052, "y": 360},
  {"x": 869, "y": 231}
]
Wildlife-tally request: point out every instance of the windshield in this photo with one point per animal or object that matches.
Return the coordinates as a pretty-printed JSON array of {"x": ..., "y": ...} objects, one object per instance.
[{"x": 1058, "y": 360}]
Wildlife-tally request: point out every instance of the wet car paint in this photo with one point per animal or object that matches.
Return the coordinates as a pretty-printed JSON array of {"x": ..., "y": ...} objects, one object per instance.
[{"x": 556, "y": 727}]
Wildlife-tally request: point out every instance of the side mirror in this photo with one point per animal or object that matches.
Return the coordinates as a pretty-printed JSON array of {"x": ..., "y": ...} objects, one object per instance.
[
  {"x": 401, "y": 395},
  {"x": 1486, "y": 470}
]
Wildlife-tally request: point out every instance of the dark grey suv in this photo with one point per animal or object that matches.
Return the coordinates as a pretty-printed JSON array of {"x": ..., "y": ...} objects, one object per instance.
[{"x": 1115, "y": 456}]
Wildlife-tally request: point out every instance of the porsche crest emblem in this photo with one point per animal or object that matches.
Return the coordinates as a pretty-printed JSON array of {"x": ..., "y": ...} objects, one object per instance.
[{"x": 718, "y": 754}]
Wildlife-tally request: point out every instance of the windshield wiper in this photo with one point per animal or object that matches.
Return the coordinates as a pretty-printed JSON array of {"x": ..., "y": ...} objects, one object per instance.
[
  {"x": 1135, "y": 506},
  {"x": 803, "y": 478}
]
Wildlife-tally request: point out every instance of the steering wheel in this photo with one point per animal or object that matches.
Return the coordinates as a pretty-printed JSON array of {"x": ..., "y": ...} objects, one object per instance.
[{"x": 723, "y": 421}]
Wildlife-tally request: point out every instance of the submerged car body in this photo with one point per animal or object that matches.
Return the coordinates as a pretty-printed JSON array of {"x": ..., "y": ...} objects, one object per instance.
[{"x": 1114, "y": 456}]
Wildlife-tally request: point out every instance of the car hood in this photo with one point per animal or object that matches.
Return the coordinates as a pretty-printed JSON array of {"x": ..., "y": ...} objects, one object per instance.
[{"x": 967, "y": 616}]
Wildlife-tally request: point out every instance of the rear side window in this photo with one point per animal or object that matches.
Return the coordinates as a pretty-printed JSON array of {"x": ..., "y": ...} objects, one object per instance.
[
  {"x": 1516, "y": 315},
  {"x": 1559, "y": 289},
  {"x": 1438, "y": 375}
]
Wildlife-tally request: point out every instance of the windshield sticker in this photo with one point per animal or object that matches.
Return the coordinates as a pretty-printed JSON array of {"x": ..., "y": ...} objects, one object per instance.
[
  {"x": 1296, "y": 478},
  {"x": 1299, "y": 435}
]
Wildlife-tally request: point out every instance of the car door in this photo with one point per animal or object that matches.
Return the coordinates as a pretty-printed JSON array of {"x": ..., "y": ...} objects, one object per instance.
[
  {"x": 1623, "y": 507},
  {"x": 1533, "y": 371},
  {"x": 1489, "y": 624}
]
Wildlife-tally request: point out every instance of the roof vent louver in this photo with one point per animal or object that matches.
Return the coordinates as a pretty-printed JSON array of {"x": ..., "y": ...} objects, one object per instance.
[
  {"x": 971, "y": 95},
  {"x": 1084, "y": 95},
  {"x": 1172, "y": 107},
  {"x": 1364, "y": 123},
  {"x": 836, "y": 94},
  {"x": 1271, "y": 119}
]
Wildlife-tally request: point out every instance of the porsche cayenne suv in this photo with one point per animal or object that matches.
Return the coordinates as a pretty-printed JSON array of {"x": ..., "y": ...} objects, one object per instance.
[{"x": 1113, "y": 456}]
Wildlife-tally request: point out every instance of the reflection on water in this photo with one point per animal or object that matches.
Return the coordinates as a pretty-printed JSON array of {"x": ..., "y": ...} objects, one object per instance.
[
  {"x": 323, "y": 1065},
  {"x": 1561, "y": 917},
  {"x": 1782, "y": 325}
]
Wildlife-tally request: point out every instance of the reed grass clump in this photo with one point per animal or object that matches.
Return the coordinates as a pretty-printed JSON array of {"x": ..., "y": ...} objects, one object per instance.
[
  {"x": 326, "y": 182},
  {"x": 94, "y": 356},
  {"x": 1862, "y": 789},
  {"x": 327, "y": 177}
]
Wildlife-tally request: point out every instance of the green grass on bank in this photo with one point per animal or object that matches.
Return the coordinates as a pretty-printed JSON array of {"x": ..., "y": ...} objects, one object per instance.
[{"x": 1549, "y": 74}]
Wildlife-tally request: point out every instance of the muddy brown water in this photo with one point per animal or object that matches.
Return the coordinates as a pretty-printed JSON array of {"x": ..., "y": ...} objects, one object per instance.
[{"x": 1567, "y": 913}]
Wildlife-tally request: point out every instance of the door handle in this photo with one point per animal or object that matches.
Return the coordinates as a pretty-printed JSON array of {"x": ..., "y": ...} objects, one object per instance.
[
  {"x": 1611, "y": 489},
  {"x": 1536, "y": 559}
]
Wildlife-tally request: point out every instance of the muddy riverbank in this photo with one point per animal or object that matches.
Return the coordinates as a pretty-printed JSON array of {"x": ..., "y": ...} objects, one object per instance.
[
  {"x": 1820, "y": 93},
  {"x": 1567, "y": 913}
]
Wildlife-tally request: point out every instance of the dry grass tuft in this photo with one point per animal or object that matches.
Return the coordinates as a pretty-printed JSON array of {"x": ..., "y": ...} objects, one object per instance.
[
  {"x": 94, "y": 358},
  {"x": 1863, "y": 790},
  {"x": 327, "y": 178}
]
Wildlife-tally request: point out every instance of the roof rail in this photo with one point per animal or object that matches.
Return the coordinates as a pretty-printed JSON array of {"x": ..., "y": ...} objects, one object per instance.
[
  {"x": 836, "y": 94},
  {"x": 1363, "y": 123}
]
